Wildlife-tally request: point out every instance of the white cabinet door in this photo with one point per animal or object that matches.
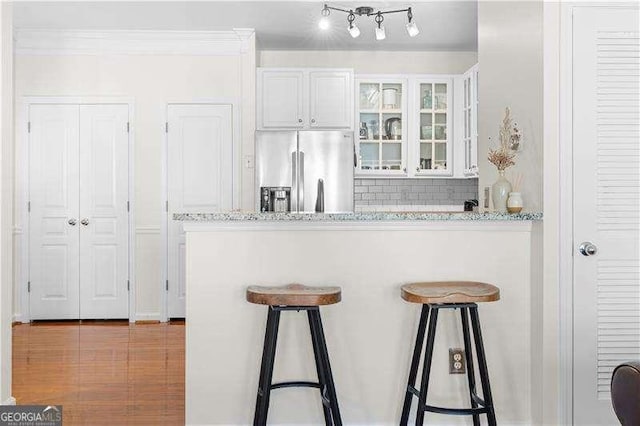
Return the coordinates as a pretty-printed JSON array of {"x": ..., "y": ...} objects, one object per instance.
[
  {"x": 606, "y": 182},
  {"x": 431, "y": 151},
  {"x": 200, "y": 171},
  {"x": 281, "y": 95},
  {"x": 53, "y": 220},
  {"x": 470, "y": 122},
  {"x": 330, "y": 99},
  {"x": 103, "y": 220}
]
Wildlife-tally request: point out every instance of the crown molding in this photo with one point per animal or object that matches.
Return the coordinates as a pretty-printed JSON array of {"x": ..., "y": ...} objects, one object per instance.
[{"x": 116, "y": 42}]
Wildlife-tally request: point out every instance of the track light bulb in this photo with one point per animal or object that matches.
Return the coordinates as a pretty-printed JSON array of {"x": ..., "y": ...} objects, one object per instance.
[
  {"x": 412, "y": 29},
  {"x": 354, "y": 31},
  {"x": 380, "y": 33},
  {"x": 324, "y": 23}
]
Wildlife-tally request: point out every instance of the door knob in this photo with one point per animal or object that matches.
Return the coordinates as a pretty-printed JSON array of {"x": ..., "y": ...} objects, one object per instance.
[
  {"x": 72, "y": 222},
  {"x": 588, "y": 248},
  {"x": 85, "y": 221}
]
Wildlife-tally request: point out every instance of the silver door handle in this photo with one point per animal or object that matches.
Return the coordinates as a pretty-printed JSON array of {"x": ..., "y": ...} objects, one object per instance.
[
  {"x": 85, "y": 222},
  {"x": 301, "y": 182},
  {"x": 299, "y": 120},
  {"x": 313, "y": 120},
  {"x": 294, "y": 181},
  {"x": 72, "y": 222},
  {"x": 588, "y": 248}
]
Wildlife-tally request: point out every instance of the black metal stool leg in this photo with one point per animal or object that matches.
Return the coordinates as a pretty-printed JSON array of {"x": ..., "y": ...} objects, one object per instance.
[
  {"x": 426, "y": 366},
  {"x": 468, "y": 350},
  {"x": 415, "y": 363},
  {"x": 482, "y": 366},
  {"x": 320, "y": 370},
  {"x": 266, "y": 370},
  {"x": 324, "y": 356}
]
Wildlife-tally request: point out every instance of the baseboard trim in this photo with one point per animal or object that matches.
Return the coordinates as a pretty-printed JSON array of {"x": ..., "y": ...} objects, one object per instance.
[
  {"x": 18, "y": 319},
  {"x": 10, "y": 401},
  {"x": 147, "y": 321},
  {"x": 146, "y": 317}
]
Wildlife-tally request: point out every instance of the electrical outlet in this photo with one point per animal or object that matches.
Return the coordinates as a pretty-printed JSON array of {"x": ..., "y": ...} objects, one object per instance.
[{"x": 457, "y": 361}]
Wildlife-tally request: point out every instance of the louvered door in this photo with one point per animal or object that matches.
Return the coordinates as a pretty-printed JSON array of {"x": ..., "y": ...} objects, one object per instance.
[{"x": 606, "y": 152}]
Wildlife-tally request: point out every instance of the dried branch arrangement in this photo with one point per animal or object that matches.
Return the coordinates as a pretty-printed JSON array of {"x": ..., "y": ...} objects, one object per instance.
[{"x": 510, "y": 136}]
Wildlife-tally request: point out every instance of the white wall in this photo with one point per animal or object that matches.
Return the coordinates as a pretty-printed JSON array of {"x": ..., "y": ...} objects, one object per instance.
[
  {"x": 6, "y": 202},
  {"x": 152, "y": 81},
  {"x": 374, "y": 62},
  {"x": 510, "y": 58}
]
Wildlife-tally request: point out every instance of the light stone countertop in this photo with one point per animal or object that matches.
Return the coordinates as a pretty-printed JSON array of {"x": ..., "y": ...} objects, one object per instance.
[{"x": 354, "y": 217}]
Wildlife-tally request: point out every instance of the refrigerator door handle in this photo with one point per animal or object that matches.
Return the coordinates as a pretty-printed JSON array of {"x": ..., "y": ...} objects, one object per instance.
[
  {"x": 294, "y": 181},
  {"x": 301, "y": 183}
]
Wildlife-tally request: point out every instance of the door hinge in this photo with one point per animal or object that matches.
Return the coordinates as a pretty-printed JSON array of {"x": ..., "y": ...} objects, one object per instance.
[
  {"x": 28, "y": 127},
  {"x": 167, "y": 285},
  {"x": 29, "y": 206},
  {"x": 28, "y": 286},
  {"x": 166, "y": 206},
  {"x": 128, "y": 285},
  {"x": 127, "y": 127},
  {"x": 166, "y": 127},
  {"x": 127, "y": 205}
]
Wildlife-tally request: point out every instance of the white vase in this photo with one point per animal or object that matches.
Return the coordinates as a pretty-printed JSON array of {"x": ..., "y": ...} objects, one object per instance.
[
  {"x": 514, "y": 202},
  {"x": 499, "y": 192}
]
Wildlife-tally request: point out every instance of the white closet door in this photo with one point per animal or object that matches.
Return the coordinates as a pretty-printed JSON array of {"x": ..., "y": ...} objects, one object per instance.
[
  {"x": 200, "y": 170},
  {"x": 53, "y": 220},
  {"x": 606, "y": 150},
  {"x": 103, "y": 219}
]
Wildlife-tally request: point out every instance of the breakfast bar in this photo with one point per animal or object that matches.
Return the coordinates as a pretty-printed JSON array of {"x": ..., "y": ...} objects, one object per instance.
[{"x": 370, "y": 256}]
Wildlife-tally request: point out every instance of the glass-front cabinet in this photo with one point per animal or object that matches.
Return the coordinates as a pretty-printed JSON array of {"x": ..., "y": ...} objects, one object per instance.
[
  {"x": 432, "y": 147},
  {"x": 405, "y": 125},
  {"x": 470, "y": 121},
  {"x": 381, "y": 117}
]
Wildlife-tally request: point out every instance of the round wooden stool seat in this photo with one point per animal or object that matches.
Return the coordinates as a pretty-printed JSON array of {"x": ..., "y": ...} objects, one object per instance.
[
  {"x": 293, "y": 295},
  {"x": 428, "y": 293}
]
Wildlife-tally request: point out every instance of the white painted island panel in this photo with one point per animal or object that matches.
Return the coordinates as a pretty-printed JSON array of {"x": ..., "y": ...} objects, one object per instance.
[{"x": 369, "y": 334}]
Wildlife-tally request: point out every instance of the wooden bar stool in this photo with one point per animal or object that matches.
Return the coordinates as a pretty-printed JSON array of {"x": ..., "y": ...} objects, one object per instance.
[
  {"x": 449, "y": 295},
  {"x": 296, "y": 297}
]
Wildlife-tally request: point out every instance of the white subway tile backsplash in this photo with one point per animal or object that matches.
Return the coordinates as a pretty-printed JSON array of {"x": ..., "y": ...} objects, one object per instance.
[{"x": 414, "y": 193}]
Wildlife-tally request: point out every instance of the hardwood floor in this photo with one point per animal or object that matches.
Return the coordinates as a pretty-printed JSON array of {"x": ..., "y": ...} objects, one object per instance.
[{"x": 102, "y": 373}]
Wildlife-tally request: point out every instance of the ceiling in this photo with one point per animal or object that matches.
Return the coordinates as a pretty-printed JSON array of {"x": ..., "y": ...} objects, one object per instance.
[{"x": 279, "y": 25}]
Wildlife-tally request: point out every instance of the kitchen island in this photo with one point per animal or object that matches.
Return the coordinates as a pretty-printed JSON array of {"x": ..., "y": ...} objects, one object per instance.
[{"x": 370, "y": 333}]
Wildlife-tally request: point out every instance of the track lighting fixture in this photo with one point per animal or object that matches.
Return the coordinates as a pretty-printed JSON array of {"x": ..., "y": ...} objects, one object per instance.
[
  {"x": 412, "y": 28},
  {"x": 353, "y": 28},
  {"x": 380, "y": 32},
  {"x": 324, "y": 20}
]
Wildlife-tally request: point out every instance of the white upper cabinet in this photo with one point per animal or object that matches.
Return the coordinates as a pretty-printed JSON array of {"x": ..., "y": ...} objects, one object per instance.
[
  {"x": 281, "y": 99},
  {"x": 470, "y": 122},
  {"x": 296, "y": 98},
  {"x": 330, "y": 99},
  {"x": 381, "y": 114},
  {"x": 432, "y": 146}
]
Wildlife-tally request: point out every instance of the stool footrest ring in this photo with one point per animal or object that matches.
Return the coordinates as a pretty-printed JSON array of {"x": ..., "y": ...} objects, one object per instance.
[
  {"x": 295, "y": 385},
  {"x": 455, "y": 411}
]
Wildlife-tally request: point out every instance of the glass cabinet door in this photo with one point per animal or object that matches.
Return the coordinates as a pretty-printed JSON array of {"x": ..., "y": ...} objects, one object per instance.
[
  {"x": 434, "y": 127},
  {"x": 381, "y": 127},
  {"x": 469, "y": 122}
]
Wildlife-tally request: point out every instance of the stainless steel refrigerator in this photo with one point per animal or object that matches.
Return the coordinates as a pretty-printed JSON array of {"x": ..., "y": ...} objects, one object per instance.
[{"x": 308, "y": 170}]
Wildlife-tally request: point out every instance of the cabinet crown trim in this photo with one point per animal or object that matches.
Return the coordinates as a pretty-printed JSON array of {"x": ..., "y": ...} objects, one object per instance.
[{"x": 87, "y": 42}]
